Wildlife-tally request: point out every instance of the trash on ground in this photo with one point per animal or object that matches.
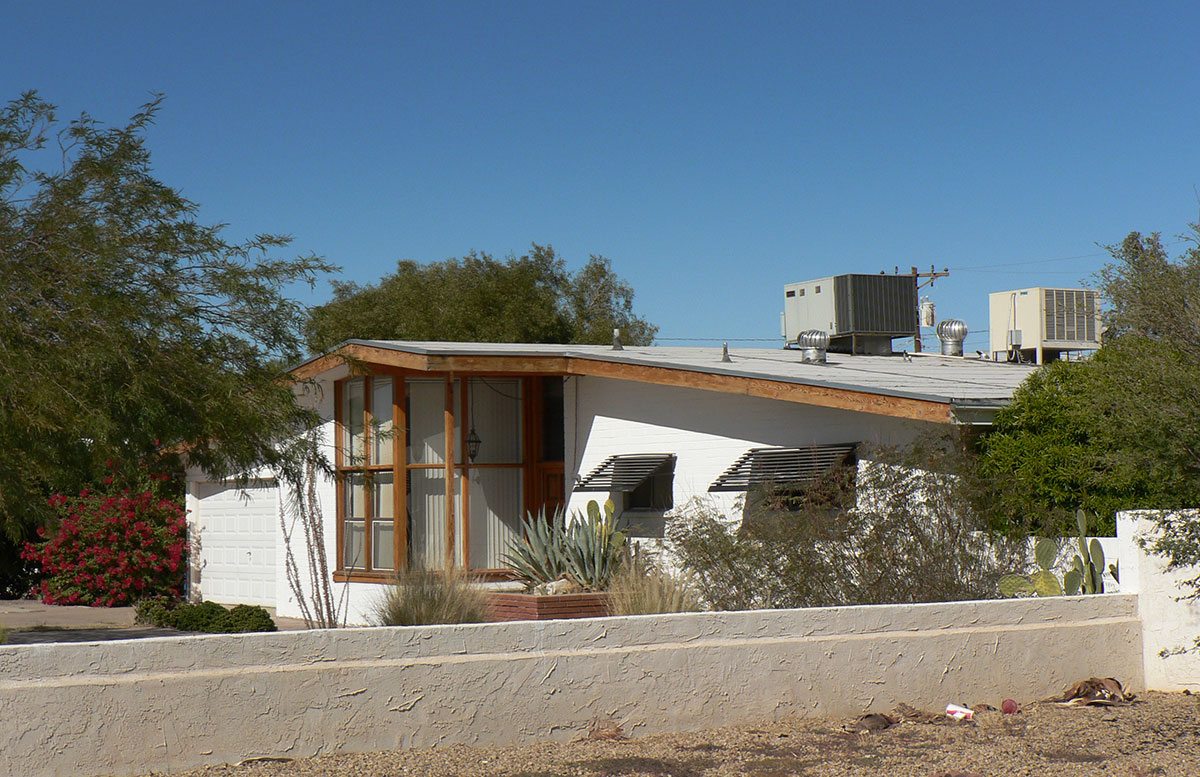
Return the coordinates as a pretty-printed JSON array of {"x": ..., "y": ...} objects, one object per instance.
[
  {"x": 910, "y": 714},
  {"x": 958, "y": 712},
  {"x": 1095, "y": 691},
  {"x": 1010, "y": 707},
  {"x": 873, "y": 721}
]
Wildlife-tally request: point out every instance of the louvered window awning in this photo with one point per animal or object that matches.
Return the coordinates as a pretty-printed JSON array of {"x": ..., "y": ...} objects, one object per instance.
[
  {"x": 624, "y": 473},
  {"x": 779, "y": 466}
]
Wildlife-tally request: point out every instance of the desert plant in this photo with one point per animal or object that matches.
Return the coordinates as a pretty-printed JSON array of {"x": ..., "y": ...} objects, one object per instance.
[
  {"x": 643, "y": 586},
  {"x": 1086, "y": 575},
  {"x": 540, "y": 555},
  {"x": 587, "y": 547},
  {"x": 421, "y": 597},
  {"x": 594, "y": 547},
  {"x": 909, "y": 535}
]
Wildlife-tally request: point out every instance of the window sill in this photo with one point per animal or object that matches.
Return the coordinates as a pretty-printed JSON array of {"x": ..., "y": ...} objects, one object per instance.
[{"x": 363, "y": 576}]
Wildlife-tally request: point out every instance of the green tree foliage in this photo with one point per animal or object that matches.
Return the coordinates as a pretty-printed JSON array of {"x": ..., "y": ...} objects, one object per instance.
[
  {"x": 126, "y": 324},
  {"x": 1120, "y": 430},
  {"x": 525, "y": 299},
  {"x": 1152, "y": 393}
]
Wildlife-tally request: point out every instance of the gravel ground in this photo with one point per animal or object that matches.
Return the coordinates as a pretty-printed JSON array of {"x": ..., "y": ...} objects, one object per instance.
[{"x": 1159, "y": 734}]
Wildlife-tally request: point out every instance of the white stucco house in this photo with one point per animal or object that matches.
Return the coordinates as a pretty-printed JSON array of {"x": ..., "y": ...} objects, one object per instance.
[{"x": 440, "y": 449}]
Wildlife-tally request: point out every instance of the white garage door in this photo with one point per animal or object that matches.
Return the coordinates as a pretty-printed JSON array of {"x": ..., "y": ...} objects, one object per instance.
[{"x": 237, "y": 541}]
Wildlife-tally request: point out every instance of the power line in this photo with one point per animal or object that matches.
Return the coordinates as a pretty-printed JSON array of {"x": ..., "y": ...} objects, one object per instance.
[{"x": 980, "y": 267}]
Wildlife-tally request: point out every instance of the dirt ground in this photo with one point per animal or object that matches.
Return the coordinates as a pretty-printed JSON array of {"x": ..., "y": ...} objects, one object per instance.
[{"x": 1159, "y": 734}]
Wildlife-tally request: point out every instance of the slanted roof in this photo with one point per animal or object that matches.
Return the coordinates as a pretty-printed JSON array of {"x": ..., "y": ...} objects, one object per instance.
[{"x": 921, "y": 387}]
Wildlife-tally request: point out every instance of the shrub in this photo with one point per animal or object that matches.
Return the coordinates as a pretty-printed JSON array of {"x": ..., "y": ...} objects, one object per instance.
[
  {"x": 246, "y": 617},
  {"x": 203, "y": 616},
  {"x": 421, "y": 597},
  {"x": 207, "y": 617},
  {"x": 644, "y": 587},
  {"x": 155, "y": 610},
  {"x": 909, "y": 536},
  {"x": 110, "y": 549}
]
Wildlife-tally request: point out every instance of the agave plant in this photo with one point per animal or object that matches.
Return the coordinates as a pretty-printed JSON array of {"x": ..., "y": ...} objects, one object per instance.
[
  {"x": 588, "y": 548},
  {"x": 594, "y": 548},
  {"x": 540, "y": 555}
]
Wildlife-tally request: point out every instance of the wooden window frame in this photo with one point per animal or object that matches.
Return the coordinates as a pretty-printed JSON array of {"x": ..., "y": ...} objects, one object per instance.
[
  {"x": 344, "y": 469},
  {"x": 458, "y": 535}
]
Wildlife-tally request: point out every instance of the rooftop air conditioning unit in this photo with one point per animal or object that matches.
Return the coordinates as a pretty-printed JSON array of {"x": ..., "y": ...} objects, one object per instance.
[
  {"x": 1041, "y": 324},
  {"x": 862, "y": 313}
]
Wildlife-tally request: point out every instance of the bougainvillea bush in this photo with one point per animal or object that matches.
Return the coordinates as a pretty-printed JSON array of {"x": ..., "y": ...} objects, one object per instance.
[{"x": 111, "y": 548}]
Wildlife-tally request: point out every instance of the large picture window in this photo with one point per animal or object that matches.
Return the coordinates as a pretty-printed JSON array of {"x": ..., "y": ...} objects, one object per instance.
[{"x": 430, "y": 470}]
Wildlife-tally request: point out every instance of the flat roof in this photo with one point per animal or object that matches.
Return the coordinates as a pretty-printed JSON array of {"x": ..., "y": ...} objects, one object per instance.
[{"x": 964, "y": 383}]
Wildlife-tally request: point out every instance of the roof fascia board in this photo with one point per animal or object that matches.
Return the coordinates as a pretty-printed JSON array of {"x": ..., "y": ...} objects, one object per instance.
[
  {"x": 823, "y": 396},
  {"x": 837, "y": 397}
]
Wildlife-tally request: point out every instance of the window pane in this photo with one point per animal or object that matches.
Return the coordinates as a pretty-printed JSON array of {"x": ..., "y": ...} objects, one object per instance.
[
  {"x": 496, "y": 498},
  {"x": 427, "y": 420},
  {"x": 383, "y": 495},
  {"x": 354, "y": 545},
  {"x": 356, "y": 496},
  {"x": 381, "y": 421},
  {"x": 495, "y": 407},
  {"x": 382, "y": 536},
  {"x": 353, "y": 422},
  {"x": 427, "y": 517}
]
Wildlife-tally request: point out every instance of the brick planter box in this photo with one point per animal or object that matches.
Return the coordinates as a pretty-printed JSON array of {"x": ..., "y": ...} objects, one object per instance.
[{"x": 527, "y": 607}]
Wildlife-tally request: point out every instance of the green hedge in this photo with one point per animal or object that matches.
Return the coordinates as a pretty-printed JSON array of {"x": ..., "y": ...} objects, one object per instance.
[{"x": 208, "y": 617}]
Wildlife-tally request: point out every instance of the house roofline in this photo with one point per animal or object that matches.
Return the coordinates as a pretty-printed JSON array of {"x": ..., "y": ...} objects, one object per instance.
[{"x": 568, "y": 360}]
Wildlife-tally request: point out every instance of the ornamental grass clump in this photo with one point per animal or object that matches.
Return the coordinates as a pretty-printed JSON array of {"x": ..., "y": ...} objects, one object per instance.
[
  {"x": 110, "y": 549},
  {"x": 421, "y": 597},
  {"x": 644, "y": 586}
]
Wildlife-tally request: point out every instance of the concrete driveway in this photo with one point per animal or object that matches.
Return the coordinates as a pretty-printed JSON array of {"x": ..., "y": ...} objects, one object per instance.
[{"x": 30, "y": 622}]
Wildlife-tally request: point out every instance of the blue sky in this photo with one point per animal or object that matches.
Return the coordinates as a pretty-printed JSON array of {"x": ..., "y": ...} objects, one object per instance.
[{"x": 712, "y": 151}]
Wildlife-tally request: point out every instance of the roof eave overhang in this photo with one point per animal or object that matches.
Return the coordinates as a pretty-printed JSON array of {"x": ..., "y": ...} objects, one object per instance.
[
  {"x": 976, "y": 412},
  {"x": 563, "y": 362}
]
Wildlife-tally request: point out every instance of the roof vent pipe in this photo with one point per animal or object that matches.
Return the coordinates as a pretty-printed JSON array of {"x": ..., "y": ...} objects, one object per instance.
[
  {"x": 952, "y": 332},
  {"x": 813, "y": 343},
  {"x": 617, "y": 341}
]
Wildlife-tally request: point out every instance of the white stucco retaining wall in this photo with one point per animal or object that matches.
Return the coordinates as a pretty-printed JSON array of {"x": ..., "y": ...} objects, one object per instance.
[
  {"x": 1168, "y": 622},
  {"x": 169, "y": 704}
]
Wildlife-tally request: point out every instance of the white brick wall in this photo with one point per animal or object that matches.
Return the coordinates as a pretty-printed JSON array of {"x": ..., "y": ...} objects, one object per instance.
[{"x": 706, "y": 430}]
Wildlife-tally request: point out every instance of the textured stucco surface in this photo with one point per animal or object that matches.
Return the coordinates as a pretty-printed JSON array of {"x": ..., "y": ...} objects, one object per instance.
[
  {"x": 1168, "y": 622},
  {"x": 168, "y": 704}
]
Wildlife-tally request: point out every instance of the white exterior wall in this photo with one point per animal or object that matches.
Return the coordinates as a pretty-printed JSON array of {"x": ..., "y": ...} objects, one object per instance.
[
  {"x": 706, "y": 430},
  {"x": 1168, "y": 622}
]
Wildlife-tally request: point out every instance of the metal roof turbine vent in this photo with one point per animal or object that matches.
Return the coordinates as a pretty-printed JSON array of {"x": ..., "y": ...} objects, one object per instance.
[
  {"x": 813, "y": 344},
  {"x": 952, "y": 332}
]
